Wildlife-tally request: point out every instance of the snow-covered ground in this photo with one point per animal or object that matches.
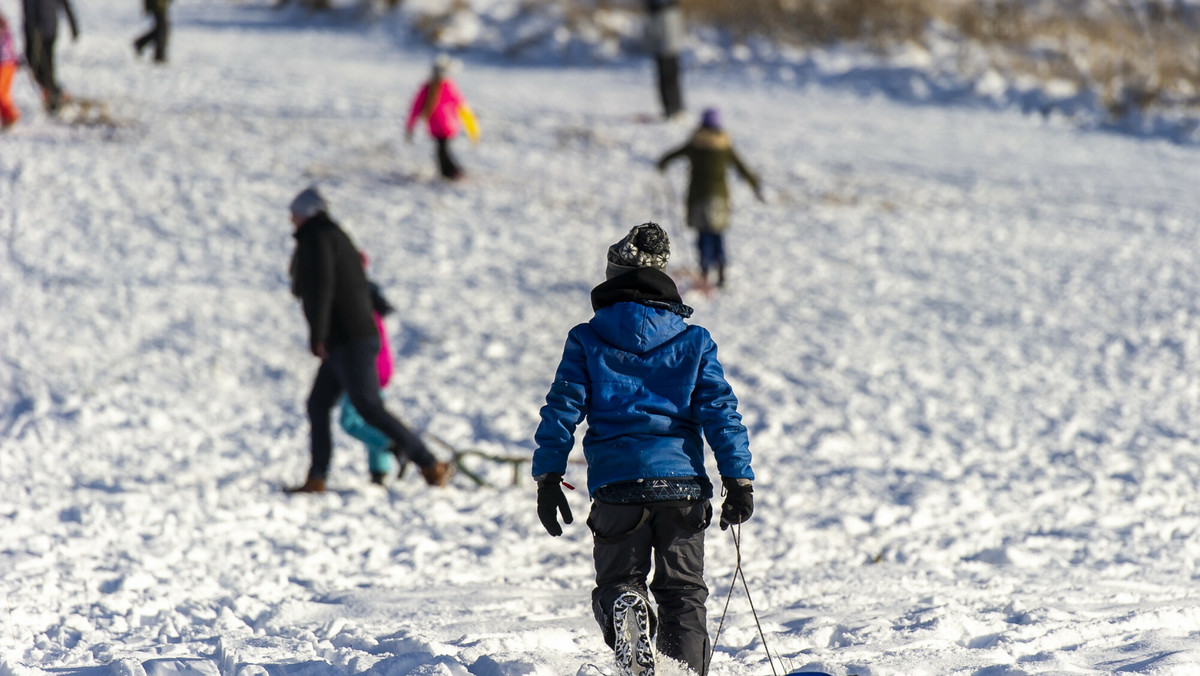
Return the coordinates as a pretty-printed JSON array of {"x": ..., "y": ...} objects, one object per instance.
[{"x": 965, "y": 342}]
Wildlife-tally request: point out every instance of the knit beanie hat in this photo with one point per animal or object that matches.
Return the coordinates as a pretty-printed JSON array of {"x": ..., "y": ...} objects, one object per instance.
[
  {"x": 443, "y": 65},
  {"x": 710, "y": 118},
  {"x": 646, "y": 246},
  {"x": 308, "y": 203}
]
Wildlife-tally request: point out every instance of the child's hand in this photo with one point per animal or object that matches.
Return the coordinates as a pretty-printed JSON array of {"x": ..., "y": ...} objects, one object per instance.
[
  {"x": 739, "y": 501},
  {"x": 551, "y": 501}
]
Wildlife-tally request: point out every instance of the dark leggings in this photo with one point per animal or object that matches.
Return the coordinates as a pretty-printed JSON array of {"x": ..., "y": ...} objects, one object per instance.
[
  {"x": 668, "y": 84},
  {"x": 712, "y": 251},
  {"x": 157, "y": 34},
  {"x": 350, "y": 369},
  {"x": 39, "y": 52},
  {"x": 446, "y": 162}
]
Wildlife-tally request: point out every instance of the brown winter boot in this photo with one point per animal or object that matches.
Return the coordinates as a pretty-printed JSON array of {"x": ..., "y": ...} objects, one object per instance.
[
  {"x": 312, "y": 485},
  {"x": 438, "y": 474}
]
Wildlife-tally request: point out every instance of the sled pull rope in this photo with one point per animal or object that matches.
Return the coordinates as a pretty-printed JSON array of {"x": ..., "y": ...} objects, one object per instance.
[{"x": 736, "y": 532}]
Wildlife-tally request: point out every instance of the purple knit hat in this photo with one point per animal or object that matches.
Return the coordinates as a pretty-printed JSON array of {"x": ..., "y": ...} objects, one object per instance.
[{"x": 710, "y": 118}]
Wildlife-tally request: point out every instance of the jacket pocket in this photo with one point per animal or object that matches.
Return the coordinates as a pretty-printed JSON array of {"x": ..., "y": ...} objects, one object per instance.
[{"x": 697, "y": 517}]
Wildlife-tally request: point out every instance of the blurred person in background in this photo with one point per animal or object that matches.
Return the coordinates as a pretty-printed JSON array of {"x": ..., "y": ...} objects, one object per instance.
[
  {"x": 710, "y": 153},
  {"x": 443, "y": 107},
  {"x": 665, "y": 35},
  {"x": 328, "y": 277},
  {"x": 41, "y": 32}
]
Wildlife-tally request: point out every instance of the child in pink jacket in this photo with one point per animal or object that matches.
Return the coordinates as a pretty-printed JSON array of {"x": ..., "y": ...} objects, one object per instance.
[
  {"x": 8, "y": 70},
  {"x": 441, "y": 104},
  {"x": 379, "y": 447}
]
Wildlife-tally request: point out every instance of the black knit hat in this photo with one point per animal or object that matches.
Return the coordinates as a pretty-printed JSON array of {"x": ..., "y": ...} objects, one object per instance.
[
  {"x": 308, "y": 203},
  {"x": 646, "y": 246}
]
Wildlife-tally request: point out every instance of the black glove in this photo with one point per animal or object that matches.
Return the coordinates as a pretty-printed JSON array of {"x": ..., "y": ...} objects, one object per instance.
[
  {"x": 550, "y": 501},
  {"x": 739, "y": 501}
]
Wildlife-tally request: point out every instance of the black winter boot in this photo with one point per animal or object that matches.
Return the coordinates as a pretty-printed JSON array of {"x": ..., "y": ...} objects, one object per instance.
[{"x": 634, "y": 645}]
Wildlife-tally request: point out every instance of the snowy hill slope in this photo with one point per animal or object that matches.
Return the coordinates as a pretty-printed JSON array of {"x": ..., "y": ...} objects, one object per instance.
[{"x": 963, "y": 340}]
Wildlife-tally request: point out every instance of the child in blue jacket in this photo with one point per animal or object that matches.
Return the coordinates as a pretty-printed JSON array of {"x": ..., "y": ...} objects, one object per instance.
[{"x": 649, "y": 385}]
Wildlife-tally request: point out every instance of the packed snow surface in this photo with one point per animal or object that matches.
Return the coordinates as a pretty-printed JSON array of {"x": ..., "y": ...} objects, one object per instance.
[{"x": 965, "y": 344}]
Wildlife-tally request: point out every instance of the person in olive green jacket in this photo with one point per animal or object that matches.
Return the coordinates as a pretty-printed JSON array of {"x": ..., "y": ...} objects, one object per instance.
[{"x": 710, "y": 152}]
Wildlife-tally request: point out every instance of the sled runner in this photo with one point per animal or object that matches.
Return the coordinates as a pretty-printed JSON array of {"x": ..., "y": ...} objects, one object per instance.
[
  {"x": 462, "y": 456},
  {"x": 85, "y": 112},
  {"x": 690, "y": 279}
]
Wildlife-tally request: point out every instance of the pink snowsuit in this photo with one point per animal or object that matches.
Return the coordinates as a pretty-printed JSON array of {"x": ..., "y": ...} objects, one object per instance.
[
  {"x": 443, "y": 118},
  {"x": 383, "y": 364}
]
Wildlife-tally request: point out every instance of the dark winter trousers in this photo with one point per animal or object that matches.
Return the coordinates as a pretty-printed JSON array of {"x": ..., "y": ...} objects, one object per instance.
[
  {"x": 157, "y": 34},
  {"x": 668, "y": 84},
  {"x": 39, "y": 53},
  {"x": 446, "y": 162},
  {"x": 627, "y": 538},
  {"x": 712, "y": 253},
  {"x": 350, "y": 369}
]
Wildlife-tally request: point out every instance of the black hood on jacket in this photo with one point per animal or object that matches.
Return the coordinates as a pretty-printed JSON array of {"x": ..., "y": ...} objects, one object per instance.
[{"x": 646, "y": 286}]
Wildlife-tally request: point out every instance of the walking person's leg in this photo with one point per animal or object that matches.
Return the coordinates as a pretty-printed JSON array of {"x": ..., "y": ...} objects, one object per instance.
[
  {"x": 54, "y": 92},
  {"x": 326, "y": 390},
  {"x": 719, "y": 257},
  {"x": 447, "y": 165},
  {"x": 379, "y": 458},
  {"x": 621, "y": 552},
  {"x": 357, "y": 372},
  {"x": 161, "y": 31},
  {"x": 678, "y": 584},
  {"x": 707, "y": 243},
  {"x": 668, "y": 84},
  {"x": 42, "y": 67},
  {"x": 33, "y": 52},
  {"x": 139, "y": 45}
]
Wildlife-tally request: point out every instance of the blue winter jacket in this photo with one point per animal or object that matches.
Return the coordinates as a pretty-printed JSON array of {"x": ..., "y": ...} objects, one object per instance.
[{"x": 648, "y": 384}]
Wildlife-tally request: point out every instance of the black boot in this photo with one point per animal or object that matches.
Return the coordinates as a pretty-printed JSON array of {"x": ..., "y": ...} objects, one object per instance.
[{"x": 401, "y": 458}]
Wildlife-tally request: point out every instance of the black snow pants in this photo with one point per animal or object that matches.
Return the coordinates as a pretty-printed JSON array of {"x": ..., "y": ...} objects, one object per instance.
[
  {"x": 627, "y": 539},
  {"x": 669, "y": 89},
  {"x": 447, "y": 165},
  {"x": 39, "y": 54},
  {"x": 158, "y": 34},
  {"x": 351, "y": 369}
]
